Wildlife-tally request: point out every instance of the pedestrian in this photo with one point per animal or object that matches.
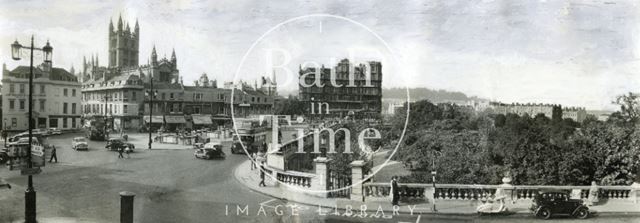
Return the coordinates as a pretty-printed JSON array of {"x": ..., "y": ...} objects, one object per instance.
[
  {"x": 127, "y": 150},
  {"x": 53, "y": 154},
  {"x": 120, "y": 150},
  {"x": 253, "y": 161},
  {"x": 395, "y": 193},
  {"x": 262, "y": 170}
]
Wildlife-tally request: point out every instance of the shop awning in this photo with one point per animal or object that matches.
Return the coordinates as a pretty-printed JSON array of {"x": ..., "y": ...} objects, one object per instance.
[
  {"x": 175, "y": 119},
  {"x": 221, "y": 117},
  {"x": 201, "y": 120},
  {"x": 155, "y": 119}
]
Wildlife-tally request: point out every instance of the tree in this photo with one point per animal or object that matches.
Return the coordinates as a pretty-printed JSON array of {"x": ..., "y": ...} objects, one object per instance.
[{"x": 629, "y": 107}]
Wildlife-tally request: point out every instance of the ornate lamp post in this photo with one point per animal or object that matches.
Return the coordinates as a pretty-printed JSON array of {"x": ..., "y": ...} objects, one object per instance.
[
  {"x": 30, "y": 193},
  {"x": 106, "y": 112},
  {"x": 152, "y": 94}
]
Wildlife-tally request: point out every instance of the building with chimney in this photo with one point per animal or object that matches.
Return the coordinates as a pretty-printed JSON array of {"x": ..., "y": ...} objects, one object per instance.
[
  {"x": 121, "y": 92},
  {"x": 357, "y": 91},
  {"x": 56, "y": 98}
]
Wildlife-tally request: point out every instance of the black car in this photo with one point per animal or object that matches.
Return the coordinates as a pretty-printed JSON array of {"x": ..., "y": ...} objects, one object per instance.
[
  {"x": 549, "y": 203},
  {"x": 116, "y": 144}
]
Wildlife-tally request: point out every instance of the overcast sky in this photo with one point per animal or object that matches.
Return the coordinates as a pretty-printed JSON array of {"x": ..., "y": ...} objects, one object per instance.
[{"x": 577, "y": 53}]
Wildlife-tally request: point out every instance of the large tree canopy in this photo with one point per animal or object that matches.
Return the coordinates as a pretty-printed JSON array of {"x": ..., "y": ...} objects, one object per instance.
[{"x": 468, "y": 147}]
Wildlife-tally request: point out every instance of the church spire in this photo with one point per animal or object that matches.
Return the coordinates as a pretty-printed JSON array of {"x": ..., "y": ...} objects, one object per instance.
[
  {"x": 97, "y": 61},
  {"x": 110, "y": 25},
  {"x": 174, "y": 60},
  {"x": 120, "y": 22}
]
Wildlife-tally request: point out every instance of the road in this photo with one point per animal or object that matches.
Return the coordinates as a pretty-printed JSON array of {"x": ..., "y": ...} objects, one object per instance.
[{"x": 173, "y": 186}]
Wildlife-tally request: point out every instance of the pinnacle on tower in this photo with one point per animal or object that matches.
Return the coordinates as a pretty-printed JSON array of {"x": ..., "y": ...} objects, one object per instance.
[
  {"x": 174, "y": 60},
  {"x": 97, "y": 61},
  {"x": 137, "y": 27},
  {"x": 127, "y": 29},
  {"x": 120, "y": 22},
  {"x": 273, "y": 76},
  {"x": 110, "y": 25}
]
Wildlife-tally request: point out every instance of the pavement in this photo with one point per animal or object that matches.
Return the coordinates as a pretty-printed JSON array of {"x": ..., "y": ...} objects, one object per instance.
[{"x": 250, "y": 178}]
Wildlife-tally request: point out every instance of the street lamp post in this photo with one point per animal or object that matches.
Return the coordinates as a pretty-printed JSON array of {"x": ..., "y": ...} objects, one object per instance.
[
  {"x": 151, "y": 94},
  {"x": 5, "y": 134},
  {"x": 433, "y": 178},
  {"x": 30, "y": 193}
]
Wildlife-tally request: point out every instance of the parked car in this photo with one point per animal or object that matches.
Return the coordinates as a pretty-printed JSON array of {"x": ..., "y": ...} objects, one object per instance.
[
  {"x": 80, "y": 143},
  {"x": 43, "y": 132},
  {"x": 55, "y": 131},
  {"x": 209, "y": 151},
  {"x": 549, "y": 203},
  {"x": 117, "y": 143}
]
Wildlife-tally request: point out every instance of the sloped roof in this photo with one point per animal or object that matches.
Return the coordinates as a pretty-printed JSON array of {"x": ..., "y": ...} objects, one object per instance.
[{"x": 56, "y": 74}]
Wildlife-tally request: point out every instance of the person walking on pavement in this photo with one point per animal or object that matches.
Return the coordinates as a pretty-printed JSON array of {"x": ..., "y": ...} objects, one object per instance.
[
  {"x": 395, "y": 193},
  {"x": 127, "y": 150},
  {"x": 120, "y": 150},
  {"x": 53, "y": 154},
  {"x": 262, "y": 170},
  {"x": 253, "y": 161}
]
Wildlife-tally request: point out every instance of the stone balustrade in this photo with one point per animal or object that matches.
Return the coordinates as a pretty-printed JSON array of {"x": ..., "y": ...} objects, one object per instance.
[
  {"x": 298, "y": 179},
  {"x": 484, "y": 192}
]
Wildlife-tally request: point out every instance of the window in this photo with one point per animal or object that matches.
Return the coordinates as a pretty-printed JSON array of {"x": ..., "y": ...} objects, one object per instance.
[
  {"x": 64, "y": 108},
  {"x": 73, "y": 108},
  {"x": 73, "y": 122},
  {"x": 124, "y": 109},
  {"x": 12, "y": 104},
  {"x": 21, "y": 88},
  {"x": 163, "y": 94},
  {"x": 73, "y": 92},
  {"x": 133, "y": 96},
  {"x": 64, "y": 92},
  {"x": 12, "y": 88},
  {"x": 42, "y": 89},
  {"x": 171, "y": 96},
  {"x": 196, "y": 110},
  {"x": 21, "y": 104},
  {"x": 64, "y": 122},
  {"x": 14, "y": 122},
  {"x": 42, "y": 105}
]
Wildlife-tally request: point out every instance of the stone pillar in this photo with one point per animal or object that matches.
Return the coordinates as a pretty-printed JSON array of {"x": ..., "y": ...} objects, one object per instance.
[
  {"x": 320, "y": 182},
  {"x": 430, "y": 195},
  {"x": 356, "y": 180},
  {"x": 507, "y": 190},
  {"x": 634, "y": 194}
]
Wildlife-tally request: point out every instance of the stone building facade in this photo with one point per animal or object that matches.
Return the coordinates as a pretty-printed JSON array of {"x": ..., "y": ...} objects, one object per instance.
[
  {"x": 551, "y": 111},
  {"x": 56, "y": 98},
  {"x": 121, "y": 92},
  {"x": 352, "y": 93}
]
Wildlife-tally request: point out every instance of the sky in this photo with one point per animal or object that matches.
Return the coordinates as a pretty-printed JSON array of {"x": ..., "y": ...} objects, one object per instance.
[{"x": 574, "y": 53}]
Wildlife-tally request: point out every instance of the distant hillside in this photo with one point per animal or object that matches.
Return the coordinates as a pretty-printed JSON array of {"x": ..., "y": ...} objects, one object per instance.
[
  {"x": 425, "y": 93},
  {"x": 416, "y": 94}
]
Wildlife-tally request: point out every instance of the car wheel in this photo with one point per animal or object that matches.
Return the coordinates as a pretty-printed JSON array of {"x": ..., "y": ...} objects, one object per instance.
[
  {"x": 544, "y": 213},
  {"x": 582, "y": 213}
]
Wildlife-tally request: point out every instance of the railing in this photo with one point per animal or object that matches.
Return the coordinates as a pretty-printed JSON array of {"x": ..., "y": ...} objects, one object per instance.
[
  {"x": 484, "y": 192},
  {"x": 295, "y": 178}
]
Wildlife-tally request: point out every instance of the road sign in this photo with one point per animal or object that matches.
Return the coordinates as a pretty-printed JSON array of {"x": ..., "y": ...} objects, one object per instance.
[
  {"x": 30, "y": 171},
  {"x": 37, "y": 150}
]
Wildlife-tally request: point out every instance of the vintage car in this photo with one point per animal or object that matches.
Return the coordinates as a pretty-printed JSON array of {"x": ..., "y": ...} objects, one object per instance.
[
  {"x": 79, "y": 143},
  {"x": 209, "y": 151},
  {"x": 117, "y": 143},
  {"x": 54, "y": 131},
  {"x": 549, "y": 203}
]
